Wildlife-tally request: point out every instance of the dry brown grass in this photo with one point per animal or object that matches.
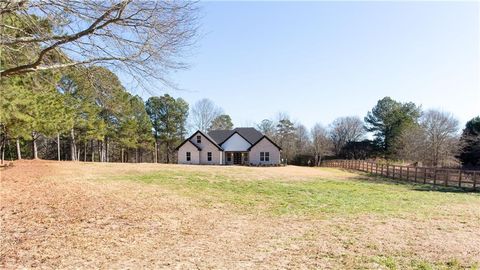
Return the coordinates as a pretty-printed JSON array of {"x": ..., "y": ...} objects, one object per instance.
[{"x": 58, "y": 215}]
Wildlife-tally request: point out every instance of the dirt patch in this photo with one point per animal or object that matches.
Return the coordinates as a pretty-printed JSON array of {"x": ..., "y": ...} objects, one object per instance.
[{"x": 55, "y": 216}]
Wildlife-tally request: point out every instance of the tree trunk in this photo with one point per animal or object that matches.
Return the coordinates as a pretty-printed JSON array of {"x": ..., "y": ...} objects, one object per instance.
[
  {"x": 3, "y": 152},
  {"x": 99, "y": 147},
  {"x": 84, "y": 151},
  {"x": 73, "y": 146},
  {"x": 58, "y": 146},
  {"x": 136, "y": 155},
  {"x": 122, "y": 155},
  {"x": 2, "y": 147},
  {"x": 319, "y": 160},
  {"x": 92, "y": 150},
  {"x": 34, "y": 146},
  {"x": 106, "y": 150},
  {"x": 155, "y": 155},
  {"x": 19, "y": 152}
]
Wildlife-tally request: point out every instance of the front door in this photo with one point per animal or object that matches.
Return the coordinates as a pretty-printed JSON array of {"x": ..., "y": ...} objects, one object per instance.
[{"x": 237, "y": 158}]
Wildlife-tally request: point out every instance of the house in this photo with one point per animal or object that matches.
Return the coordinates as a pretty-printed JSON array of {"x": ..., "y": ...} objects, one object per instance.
[{"x": 238, "y": 146}]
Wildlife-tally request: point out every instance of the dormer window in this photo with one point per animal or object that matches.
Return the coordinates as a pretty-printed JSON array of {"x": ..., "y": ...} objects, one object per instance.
[{"x": 199, "y": 139}]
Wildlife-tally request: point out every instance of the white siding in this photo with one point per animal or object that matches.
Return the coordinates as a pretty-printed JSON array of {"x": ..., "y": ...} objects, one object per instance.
[
  {"x": 236, "y": 143},
  {"x": 216, "y": 154},
  {"x": 264, "y": 146},
  {"x": 206, "y": 147},
  {"x": 194, "y": 154}
]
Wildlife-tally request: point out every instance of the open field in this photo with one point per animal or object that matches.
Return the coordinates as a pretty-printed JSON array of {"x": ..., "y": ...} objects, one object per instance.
[{"x": 86, "y": 215}]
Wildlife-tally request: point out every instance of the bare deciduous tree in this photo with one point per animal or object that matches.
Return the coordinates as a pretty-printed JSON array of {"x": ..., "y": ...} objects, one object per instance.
[
  {"x": 302, "y": 139},
  {"x": 411, "y": 144},
  {"x": 443, "y": 143},
  {"x": 344, "y": 130},
  {"x": 322, "y": 145},
  {"x": 203, "y": 113},
  {"x": 434, "y": 142},
  {"x": 143, "y": 38},
  {"x": 267, "y": 127}
]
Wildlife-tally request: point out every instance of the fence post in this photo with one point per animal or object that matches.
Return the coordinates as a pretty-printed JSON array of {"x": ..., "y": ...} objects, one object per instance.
[
  {"x": 387, "y": 170},
  {"x": 382, "y": 170},
  {"x": 408, "y": 173},
  {"x": 435, "y": 176},
  {"x": 401, "y": 167},
  {"x": 376, "y": 168},
  {"x": 416, "y": 173}
]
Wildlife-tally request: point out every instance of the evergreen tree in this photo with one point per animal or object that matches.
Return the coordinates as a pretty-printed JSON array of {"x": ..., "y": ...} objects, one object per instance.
[
  {"x": 470, "y": 156},
  {"x": 285, "y": 136},
  {"x": 88, "y": 123},
  {"x": 168, "y": 117},
  {"x": 387, "y": 120}
]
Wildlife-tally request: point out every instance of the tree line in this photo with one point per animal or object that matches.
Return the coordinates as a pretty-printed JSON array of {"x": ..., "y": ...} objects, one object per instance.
[
  {"x": 86, "y": 114},
  {"x": 401, "y": 132}
]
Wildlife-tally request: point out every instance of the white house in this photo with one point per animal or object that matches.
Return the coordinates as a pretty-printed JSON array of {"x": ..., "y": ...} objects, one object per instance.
[{"x": 237, "y": 146}]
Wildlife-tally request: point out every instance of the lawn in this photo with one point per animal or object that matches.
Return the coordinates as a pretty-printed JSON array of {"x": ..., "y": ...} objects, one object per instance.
[
  {"x": 315, "y": 195},
  {"x": 86, "y": 215}
]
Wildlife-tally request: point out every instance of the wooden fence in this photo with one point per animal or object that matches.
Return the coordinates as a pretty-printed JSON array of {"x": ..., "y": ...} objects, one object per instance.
[{"x": 465, "y": 179}]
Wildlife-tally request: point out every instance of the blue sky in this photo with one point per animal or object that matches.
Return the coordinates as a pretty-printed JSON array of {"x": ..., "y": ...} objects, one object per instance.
[{"x": 322, "y": 60}]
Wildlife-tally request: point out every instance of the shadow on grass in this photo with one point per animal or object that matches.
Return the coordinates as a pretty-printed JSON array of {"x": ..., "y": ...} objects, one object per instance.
[{"x": 417, "y": 186}]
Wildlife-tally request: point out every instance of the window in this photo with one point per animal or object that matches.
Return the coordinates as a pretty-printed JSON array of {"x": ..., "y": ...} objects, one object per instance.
[
  {"x": 267, "y": 156},
  {"x": 262, "y": 156},
  {"x": 229, "y": 157},
  {"x": 209, "y": 156},
  {"x": 199, "y": 139},
  {"x": 189, "y": 156}
]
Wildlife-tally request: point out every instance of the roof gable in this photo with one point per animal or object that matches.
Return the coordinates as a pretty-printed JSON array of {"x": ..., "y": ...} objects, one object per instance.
[
  {"x": 204, "y": 135},
  {"x": 250, "y": 134},
  {"x": 268, "y": 139},
  {"x": 236, "y": 142},
  {"x": 188, "y": 141}
]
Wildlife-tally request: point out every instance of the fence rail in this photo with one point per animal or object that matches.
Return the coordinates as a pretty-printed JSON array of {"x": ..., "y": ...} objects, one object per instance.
[{"x": 465, "y": 179}]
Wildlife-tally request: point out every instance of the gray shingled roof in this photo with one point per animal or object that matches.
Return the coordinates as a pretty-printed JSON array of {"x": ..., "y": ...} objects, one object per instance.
[
  {"x": 250, "y": 134},
  {"x": 220, "y": 136}
]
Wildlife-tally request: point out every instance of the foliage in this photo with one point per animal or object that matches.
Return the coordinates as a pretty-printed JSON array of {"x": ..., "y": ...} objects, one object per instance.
[
  {"x": 470, "y": 155},
  {"x": 359, "y": 150},
  {"x": 387, "y": 120},
  {"x": 285, "y": 136},
  {"x": 168, "y": 117}
]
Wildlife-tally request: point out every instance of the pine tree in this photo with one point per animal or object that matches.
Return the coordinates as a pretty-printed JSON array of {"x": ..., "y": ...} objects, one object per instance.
[{"x": 168, "y": 116}]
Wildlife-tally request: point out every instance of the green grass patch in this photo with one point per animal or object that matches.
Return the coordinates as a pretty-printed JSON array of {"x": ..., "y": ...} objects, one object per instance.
[{"x": 312, "y": 197}]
